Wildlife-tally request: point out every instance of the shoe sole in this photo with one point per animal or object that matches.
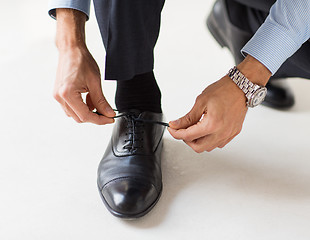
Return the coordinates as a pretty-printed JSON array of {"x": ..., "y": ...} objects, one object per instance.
[
  {"x": 125, "y": 216},
  {"x": 278, "y": 106}
]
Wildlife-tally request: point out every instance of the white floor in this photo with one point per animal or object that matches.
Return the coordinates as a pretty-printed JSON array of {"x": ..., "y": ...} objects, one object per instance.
[{"x": 258, "y": 187}]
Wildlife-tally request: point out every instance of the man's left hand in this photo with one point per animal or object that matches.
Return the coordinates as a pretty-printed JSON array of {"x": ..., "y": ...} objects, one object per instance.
[{"x": 215, "y": 119}]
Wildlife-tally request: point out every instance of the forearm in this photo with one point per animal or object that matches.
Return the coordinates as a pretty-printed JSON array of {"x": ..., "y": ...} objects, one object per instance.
[
  {"x": 254, "y": 70},
  {"x": 284, "y": 31},
  {"x": 70, "y": 29}
]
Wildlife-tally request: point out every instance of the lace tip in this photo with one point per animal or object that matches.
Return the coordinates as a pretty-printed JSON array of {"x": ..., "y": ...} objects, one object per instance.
[{"x": 98, "y": 113}]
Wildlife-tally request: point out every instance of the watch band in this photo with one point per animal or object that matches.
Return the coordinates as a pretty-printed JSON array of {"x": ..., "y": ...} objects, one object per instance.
[
  {"x": 242, "y": 82},
  {"x": 254, "y": 93}
]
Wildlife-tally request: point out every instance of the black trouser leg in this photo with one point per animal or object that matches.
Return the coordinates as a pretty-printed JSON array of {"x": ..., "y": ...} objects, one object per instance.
[
  {"x": 129, "y": 30},
  {"x": 249, "y": 15}
]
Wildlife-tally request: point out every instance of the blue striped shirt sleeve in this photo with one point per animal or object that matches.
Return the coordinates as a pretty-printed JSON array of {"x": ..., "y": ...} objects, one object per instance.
[
  {"x": 285, "y": 29},
  {"x": 81, "y": 5}
]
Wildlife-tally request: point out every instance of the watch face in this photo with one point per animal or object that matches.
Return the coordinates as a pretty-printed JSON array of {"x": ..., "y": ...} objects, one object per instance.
[{"x": 258, "y": 97}]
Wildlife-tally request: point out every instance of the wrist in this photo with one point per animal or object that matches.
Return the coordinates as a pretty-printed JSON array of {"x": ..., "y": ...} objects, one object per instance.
[
  {"x": 70, "y": 29},
  {"x": 254, "y": 70}
]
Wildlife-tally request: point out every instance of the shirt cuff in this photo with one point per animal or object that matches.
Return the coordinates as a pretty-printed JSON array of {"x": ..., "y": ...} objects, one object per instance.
[
  {"x": 271, "y": 46},
  {"x": 80, "y": 5}
]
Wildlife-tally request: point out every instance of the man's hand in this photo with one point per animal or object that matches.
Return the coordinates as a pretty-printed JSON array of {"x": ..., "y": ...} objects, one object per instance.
[
  {"x": 219, "y": 111},
  {"x": 215, "y": 119},
  {"x": 78, "y": 72}
]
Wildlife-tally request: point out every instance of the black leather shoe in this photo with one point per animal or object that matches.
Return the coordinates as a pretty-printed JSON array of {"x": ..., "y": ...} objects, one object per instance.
[
  {"x": 228, "y": 35},
  {"x": 279, "y": 95},
  {"x": 129, "y": 174}
]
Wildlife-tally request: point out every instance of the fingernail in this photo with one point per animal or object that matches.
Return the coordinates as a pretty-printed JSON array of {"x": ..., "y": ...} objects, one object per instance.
[
  {"x": 109, "y": 110},
  {"x": 175, "y": 122}
]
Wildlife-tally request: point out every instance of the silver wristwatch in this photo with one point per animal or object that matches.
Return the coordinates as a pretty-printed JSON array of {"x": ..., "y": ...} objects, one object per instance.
[{"x": 253, "y": 92}]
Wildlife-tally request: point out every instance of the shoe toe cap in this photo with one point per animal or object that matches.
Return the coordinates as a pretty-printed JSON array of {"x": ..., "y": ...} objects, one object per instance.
[{"x": 129, "y": 197}]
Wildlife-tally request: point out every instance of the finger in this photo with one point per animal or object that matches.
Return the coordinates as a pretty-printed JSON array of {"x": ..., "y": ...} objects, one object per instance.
[
  {"x": 207, "y": 143},
  {"x": 189, "y": 134},
  {"x": 226, "y": 142},
  {"x": 98, "y": 100},
  {"x": 85, "y": 115},
  {"x": 70, "y": 113},
  {"x": 89, "y": 102},
  {"x": 200, "y": 129},
  {"x": 65, "y": 110},
  {"x": 189, "y": 119}
]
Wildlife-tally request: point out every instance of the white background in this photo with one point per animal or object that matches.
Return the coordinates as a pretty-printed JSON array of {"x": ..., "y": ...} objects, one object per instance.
[{"x": 258, "y": 187}]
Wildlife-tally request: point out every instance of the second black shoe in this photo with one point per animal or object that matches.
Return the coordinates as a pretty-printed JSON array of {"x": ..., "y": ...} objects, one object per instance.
[
  {"x": 279, "y": 95},
  {"x": 129, "y": 174},
  {"x": 228, "y": 35}
]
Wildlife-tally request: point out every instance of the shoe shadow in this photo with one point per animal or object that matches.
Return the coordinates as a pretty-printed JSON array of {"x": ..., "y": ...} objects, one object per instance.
[{"x": 182, "y": 168}]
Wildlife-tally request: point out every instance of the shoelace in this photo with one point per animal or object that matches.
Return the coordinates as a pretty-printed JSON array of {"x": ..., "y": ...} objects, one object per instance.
[
  {"x": 137, "y": 119},
  {"x": 135, "y": 124}
]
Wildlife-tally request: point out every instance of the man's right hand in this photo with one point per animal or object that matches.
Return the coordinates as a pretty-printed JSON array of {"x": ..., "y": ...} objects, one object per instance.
[{"x": 78, "y": 72}]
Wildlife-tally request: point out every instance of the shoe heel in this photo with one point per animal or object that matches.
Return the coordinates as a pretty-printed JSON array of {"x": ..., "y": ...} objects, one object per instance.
[{"x": 211, "y": 25}]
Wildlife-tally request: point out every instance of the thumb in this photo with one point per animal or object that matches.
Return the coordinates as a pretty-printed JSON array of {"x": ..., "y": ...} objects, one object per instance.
[
  {"x": 99, "y": 101},
  {"x": 188, "y": 120}
]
